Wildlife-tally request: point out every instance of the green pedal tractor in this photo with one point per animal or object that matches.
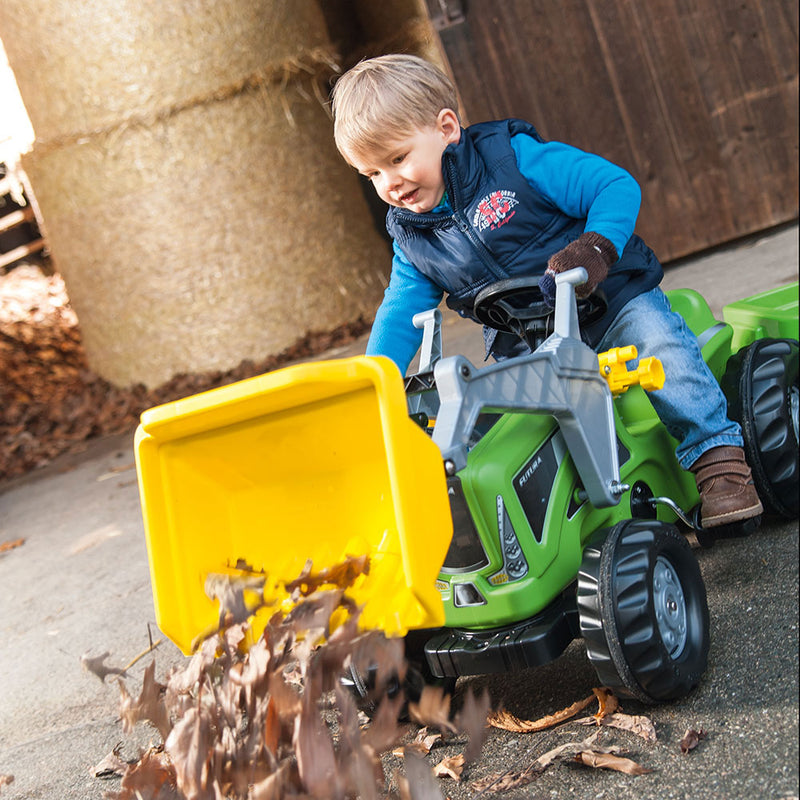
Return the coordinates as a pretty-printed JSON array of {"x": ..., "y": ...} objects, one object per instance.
[{"x": 505, "y": 510}]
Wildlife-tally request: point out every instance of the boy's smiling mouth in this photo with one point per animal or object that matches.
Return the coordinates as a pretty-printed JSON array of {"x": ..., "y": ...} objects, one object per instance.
[{"x": 409, "y": 197}]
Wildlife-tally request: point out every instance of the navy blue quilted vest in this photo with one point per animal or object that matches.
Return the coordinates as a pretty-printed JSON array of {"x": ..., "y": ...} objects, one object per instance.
[{"x": 501, "y": 227}]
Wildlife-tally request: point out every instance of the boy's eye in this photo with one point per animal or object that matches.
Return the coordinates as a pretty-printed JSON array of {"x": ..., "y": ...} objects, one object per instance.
[{"x": 399, "y": 159}]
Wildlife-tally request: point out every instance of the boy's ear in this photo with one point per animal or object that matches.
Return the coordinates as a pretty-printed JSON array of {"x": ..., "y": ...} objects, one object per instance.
[{"x": 447, "y": 122}]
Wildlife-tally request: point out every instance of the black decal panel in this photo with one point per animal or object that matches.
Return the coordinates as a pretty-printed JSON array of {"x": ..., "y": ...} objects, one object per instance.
[{"x": 533, "y": 484}]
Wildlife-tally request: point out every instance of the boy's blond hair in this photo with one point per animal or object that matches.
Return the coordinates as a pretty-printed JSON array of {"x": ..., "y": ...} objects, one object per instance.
[{"x": 381, "y": 100}]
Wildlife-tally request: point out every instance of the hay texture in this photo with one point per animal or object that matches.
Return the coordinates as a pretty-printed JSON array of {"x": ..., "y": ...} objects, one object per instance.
[
  {"x": 84, "y": 66},
  {"x": 397, "y": 26},
  {"x": 185, "y": 169}
]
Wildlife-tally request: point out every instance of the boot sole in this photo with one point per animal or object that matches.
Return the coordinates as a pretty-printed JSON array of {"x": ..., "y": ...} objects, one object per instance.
[{"x": 730, "y": 517}]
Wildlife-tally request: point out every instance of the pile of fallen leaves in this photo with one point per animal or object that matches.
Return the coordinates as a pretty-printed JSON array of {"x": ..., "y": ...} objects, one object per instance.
[
  {"x": 276, "y": 721},
  {"x": 51, "y": 402}
]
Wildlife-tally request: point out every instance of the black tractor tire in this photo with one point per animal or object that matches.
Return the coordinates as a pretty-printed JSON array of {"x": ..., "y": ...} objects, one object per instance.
[
  {"x": 761, "y": 386},
  {"x": 643, "y": 611},
  {"x": 418, "y": 675}
]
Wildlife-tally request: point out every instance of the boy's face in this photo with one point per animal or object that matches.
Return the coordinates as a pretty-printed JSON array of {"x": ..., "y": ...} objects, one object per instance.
[{"x": 408, "y": 173}]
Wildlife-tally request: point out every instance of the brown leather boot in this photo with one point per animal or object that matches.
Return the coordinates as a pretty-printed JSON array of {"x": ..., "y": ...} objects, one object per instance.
[{"x": 727, "y": 493}]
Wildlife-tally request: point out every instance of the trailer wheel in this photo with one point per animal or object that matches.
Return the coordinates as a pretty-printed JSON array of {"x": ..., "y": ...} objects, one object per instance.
[
  {"x": 643, "y": 611},
  {"x": 761, "y": 385}
]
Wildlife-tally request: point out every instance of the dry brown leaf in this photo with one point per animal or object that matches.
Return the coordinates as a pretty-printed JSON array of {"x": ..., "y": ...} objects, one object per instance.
[
  {"x": 610, "y": 761},
  {"x": 691, "y": 739},
  {"x": 287, "y": 700},
  {"x": 149, "y": 706},
  {"x": 234, "y": 606},
  {"x": 567, "y": 750},
  {"x": 422, "y": 743},
  {"x": 6, "y": 780},
  {"x": 426, "y": 739},
  {"x": 418, "y": 782},
  {"x": 433, "y": 709},
  {"x": 606, "y": 701},
  {"x": 189, "y": 747},
  {"x": 254, "y": 669},
  {"x": 504, "y": 781},
  {"x": 112, "y": 766},
  {"x": 314, "y": 613},
  {"x": 341, "y": 575},
  {"x": 316, "y": 759},
  {"x": 11, "y": 545},
  {"x": 152, "y": 776},
  {"x": 506, "y": 721},
  {"x": 450, "y": 767},
  {"x": 97, "y": 666},
  {"x": 379, "y": 658},
  {"x": 640, "y": 725},
  {"x": 384, "y": 731},
  {"x": 184, "y": 680},
  {"x": 272, "y": 727},
  {"x": 363, "y": 768},
  {"x": 342, "y": 642},
  {"x": 272, "y": 787},
  {"x": 471, "y": 720}
]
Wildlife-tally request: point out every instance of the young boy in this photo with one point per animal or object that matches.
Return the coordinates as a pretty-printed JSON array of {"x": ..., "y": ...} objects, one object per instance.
[{"x": 468, "y": 207}]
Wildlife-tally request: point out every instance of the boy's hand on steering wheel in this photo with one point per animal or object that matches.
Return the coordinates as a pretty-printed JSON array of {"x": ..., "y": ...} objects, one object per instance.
[{"x": 591, "y": 251}]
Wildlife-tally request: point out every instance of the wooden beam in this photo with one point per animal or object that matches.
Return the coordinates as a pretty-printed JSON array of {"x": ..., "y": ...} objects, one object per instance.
[
  {"x": 20, "y": 252},
  {"x": 16, "y": 218}
]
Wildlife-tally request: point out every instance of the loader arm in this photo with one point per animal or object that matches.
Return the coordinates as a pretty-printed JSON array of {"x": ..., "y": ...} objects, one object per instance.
[{"x": 561, "y": 378}]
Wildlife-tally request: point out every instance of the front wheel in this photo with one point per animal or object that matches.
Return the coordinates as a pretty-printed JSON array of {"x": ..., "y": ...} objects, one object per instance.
[
  {"x": 643, "y": 611},
  {"x": 369, "y": 687}
]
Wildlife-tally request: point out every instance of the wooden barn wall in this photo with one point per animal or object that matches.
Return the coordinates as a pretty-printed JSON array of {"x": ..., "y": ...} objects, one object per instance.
[{"x": 697, "y": 98}]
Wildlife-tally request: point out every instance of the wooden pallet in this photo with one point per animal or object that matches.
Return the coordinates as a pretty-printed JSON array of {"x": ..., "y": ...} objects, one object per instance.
[
  {"x": 16, "y": 191},
  {"x": 21, "y": 252}
]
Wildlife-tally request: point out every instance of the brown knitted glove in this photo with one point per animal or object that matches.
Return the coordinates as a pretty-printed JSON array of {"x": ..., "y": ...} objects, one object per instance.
[{"x": 591, "y": 251}]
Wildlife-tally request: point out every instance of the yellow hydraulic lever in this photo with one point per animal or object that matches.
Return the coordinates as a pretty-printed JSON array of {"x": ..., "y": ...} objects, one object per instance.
[{"x": 649, "y": 374}]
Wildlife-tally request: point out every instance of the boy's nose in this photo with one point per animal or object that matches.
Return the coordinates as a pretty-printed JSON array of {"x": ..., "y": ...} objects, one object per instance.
[{"x": 392, "y": 180}]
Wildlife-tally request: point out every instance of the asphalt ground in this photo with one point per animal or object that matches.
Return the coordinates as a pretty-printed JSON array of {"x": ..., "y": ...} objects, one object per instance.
[{"x": 79, "y": 584}]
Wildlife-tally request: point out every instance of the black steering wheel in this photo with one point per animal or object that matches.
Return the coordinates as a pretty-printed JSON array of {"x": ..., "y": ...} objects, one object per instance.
[{"x": 516, "y": 305}]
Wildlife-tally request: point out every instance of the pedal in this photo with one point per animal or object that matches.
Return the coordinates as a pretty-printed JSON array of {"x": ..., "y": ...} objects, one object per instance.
[{"x": 734, "y": 530}]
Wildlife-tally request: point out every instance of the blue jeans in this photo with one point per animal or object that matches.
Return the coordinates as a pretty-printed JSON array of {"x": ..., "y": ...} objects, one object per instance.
[{"x": 691, "y": 404}]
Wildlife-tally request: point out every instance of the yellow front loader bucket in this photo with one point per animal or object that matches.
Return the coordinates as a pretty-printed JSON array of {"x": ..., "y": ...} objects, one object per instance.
[{"x": 313, "y": 462}]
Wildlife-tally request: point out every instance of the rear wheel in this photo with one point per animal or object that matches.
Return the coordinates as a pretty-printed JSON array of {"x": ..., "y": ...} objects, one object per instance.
[
  {"x": 761, "y": 385},
  {"x": 643, "y": 611}
]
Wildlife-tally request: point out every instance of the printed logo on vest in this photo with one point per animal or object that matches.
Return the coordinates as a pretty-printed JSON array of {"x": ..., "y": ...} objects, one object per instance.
[{"x": 495, "y": 210}]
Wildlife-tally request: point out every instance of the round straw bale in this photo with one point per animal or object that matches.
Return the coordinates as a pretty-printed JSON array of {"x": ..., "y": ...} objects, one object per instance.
[
  {"x": 215, "y": 234},
  {"x": 84, "y": 66},
  {"x": 185, "y": 169}
]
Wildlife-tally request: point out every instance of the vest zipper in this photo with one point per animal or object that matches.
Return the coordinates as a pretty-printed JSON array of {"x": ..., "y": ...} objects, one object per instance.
[
  {"x": 480, "y": 248},
  {"x": 460, "y": 218}
]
